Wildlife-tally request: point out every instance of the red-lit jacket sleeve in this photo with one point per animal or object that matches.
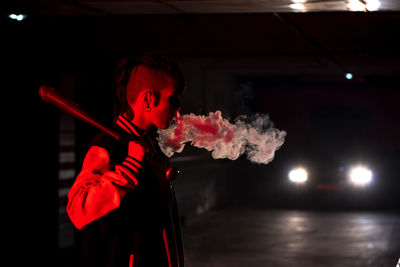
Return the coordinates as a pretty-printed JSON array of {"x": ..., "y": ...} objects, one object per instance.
[{"x": 100, "y": 187}]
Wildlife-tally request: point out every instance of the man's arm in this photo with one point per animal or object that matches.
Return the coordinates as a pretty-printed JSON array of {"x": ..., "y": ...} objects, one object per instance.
[{"x": 99, "y": 188}]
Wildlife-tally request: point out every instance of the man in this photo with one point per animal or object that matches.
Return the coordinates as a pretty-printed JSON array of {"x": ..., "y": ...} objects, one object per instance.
[{"x": 121, "y": 201}]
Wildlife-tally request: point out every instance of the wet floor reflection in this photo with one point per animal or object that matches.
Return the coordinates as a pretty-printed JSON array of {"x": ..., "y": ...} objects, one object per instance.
[{"x": 243, "y": 237}]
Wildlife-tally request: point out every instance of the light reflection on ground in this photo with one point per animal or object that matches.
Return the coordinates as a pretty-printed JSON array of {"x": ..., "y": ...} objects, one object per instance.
[{"x": 257, "y": 238}]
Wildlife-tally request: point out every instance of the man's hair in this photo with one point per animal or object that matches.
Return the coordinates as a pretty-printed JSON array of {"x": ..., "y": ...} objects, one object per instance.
[{"x": 151, "y": 61}]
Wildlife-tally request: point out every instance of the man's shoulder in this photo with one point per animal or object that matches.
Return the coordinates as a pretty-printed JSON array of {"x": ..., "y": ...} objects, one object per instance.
[
  {"x": 116, "y": 150},
  {"x": 102, "y": 140}
]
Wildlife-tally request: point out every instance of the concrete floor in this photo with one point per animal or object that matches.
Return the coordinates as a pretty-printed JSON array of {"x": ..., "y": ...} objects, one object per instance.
[{"x": 261, "y": 238}]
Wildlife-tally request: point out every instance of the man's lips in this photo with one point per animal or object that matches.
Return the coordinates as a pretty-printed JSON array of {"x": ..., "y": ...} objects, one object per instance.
[{"x": 174, "y": 118}]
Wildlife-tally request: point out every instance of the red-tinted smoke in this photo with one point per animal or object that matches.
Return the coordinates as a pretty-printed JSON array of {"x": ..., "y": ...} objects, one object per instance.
[{"x": 224, "y": 139}]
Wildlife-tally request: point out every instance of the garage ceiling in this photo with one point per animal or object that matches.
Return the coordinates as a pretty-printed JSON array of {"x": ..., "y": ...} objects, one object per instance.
[
  {"x": 302, "y": 33},
  {"x": 101, "y": 7}
]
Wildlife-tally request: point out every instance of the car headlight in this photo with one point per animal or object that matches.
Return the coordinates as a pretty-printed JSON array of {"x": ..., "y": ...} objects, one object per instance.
[
  {"x": 298, "y": 175},
  {"x": 360, "y": 175}
]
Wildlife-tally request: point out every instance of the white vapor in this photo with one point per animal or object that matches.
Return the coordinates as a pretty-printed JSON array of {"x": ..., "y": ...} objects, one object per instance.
[{"x": 253, "y": 135}]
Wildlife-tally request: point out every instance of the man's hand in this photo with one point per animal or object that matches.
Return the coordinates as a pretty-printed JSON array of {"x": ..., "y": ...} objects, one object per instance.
[{"x": 137, "y": 150}]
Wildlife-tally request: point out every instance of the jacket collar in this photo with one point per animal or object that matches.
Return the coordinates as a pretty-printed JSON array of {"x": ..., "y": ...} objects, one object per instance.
[{"x": 128, "y": 126}]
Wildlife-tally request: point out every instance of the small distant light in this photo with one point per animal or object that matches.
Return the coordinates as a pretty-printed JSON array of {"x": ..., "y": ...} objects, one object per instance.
[
  {"x": 363, "y": 5},
  {"x": 298, "y": 175},
  {"x": 349, "y": 76},
  {"x": 18, "y": 17},
  {"x": 298, "y": 6},
  {"x": 355, "y": 5},
  {"x": 373, "y": 5}
]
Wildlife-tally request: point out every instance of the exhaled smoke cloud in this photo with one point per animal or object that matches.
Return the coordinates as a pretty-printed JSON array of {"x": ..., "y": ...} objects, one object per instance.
[{"x": 254, "y": 136}]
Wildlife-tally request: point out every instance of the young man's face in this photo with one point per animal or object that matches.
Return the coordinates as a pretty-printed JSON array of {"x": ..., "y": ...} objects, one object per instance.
[{"x": 164, "y": 110}]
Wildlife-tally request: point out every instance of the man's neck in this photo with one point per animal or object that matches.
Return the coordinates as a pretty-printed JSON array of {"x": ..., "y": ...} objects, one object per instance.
[{"x": 140, "y": 123}]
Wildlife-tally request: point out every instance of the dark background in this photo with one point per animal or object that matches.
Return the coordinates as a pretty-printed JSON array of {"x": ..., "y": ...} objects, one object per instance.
[{"x": 292, "y": 64}]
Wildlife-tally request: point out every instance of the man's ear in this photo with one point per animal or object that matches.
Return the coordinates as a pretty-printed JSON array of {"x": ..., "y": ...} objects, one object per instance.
[
  {"x": 151, "y": 98},
  {"x": 148, "y": 99}
]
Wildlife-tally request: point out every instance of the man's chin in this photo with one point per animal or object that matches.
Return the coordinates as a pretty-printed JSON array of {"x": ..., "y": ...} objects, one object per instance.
[{"x": 163, "y": 126}]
